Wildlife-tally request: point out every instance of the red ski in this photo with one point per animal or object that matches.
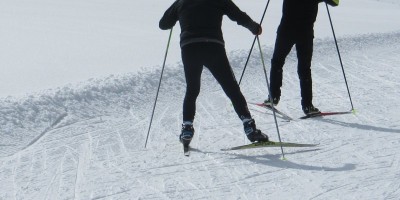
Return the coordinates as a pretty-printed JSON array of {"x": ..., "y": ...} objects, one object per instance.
[{"x": 321, "y": 114}]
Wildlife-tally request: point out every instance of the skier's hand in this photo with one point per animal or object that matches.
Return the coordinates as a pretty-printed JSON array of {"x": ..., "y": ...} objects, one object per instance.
[
  {"x": 332, "y": 2},
  {"x": 258, "y": 30},
  {"x": 255, "y": 28}
]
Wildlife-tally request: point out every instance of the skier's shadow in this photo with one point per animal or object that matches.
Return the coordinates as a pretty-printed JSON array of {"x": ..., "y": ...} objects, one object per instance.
[
  {"x": 274, "y": 160},
  {"x": 361, "y": 126}
]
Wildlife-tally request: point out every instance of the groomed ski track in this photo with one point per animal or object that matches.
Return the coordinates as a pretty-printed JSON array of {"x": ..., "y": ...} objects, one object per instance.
[{"x": 96, "y": 148}]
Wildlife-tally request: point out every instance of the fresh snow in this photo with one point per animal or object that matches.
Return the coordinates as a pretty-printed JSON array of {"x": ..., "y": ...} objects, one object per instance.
[{"x": 86, "y": 140}]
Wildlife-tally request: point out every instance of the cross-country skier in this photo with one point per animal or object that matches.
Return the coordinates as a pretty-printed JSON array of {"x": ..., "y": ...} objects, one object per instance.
[
  {"x": 296, "y": 28},
  {"x": 202, "y": 44}
]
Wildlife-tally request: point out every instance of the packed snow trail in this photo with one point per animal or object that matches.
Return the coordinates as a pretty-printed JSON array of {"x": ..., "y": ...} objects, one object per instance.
[{"x": 95, "y": 150}]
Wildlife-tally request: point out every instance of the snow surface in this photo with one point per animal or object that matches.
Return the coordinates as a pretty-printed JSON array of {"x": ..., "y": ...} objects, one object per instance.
[
  {"x": 51, "y": 43},
  {"x": 86, "y": 141}
]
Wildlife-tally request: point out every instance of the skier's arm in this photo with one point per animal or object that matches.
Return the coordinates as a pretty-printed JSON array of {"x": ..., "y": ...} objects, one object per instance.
[
  {"x": 235, "y": 14},
  {"x": 170, "y": 17}
]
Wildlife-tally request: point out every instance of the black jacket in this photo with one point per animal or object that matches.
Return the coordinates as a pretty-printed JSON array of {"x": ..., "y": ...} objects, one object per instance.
[
  {"x": 201, "y": 20},
  {"x": 298, "y": 17}
]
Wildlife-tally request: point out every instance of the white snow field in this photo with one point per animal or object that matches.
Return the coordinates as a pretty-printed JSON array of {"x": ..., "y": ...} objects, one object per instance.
[
  {"x": 51, "y": 43},
  {"x": 86, "y": 141}
]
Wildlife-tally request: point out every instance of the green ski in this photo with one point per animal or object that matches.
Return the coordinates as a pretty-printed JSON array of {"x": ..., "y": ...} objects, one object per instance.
[{"x": 269, "y": 144}]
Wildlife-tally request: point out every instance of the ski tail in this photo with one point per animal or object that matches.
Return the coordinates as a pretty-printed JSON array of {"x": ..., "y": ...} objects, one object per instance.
[
  {"x": 285, "y": 116},
  {"x": 186, "y": 150}
]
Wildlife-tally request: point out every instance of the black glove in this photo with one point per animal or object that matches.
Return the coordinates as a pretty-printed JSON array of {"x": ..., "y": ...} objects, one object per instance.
[{"x": 256, "y": 29}]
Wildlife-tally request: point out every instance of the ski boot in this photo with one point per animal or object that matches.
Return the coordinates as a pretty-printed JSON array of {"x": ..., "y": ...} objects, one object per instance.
[
  {"x": 311, "y": 110},
  {"x": 252, "y": 133},
  {"x": 186, "y": 134},
  {"x": 269, "y": 102}
]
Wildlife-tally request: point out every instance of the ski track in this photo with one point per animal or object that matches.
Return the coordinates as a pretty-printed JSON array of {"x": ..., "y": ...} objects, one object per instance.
[{"x": 103, "y": 158}]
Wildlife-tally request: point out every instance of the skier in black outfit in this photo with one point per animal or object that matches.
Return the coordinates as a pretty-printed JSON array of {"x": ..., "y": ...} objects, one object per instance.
[
  {"x": 202, "y": 44},
  {"x": 296, "y": 28}
]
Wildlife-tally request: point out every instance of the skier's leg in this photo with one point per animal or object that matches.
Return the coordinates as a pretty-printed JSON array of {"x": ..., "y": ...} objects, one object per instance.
[
  {"x": 283, "y": 45},
  {"x": 304, "y": 49},
  {"x": 217, "y": 62},
  {"x": 220, "y": 68},
  {"x": 193, "y": 68}
]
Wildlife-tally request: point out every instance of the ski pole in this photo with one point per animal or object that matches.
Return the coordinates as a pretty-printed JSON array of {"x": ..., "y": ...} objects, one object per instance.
[
  {"x": 159, "y": 85},
  {"x": 340, "y": 58},
  {"x": 269, "y": 91},
  {"x": 252, "y": 46}
]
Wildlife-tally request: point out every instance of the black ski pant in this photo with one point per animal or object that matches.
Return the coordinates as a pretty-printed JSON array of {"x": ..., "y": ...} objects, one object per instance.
[
  {"x": 213, "y": 56},
  {"x": 304, "y": 48}
]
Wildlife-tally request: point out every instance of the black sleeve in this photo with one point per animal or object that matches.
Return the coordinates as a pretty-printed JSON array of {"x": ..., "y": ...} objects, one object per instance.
[
  {"x": 170, "y": 17},
  {"x": 235, "y": 14}
]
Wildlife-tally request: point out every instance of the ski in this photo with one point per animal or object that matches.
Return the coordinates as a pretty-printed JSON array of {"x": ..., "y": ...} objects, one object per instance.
[
  {"x": 269, "y": 144},
  {"x": 285, "y": 116},
  {"x": 321, "y": 114},
  {"x": 186, "y": 150}
]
